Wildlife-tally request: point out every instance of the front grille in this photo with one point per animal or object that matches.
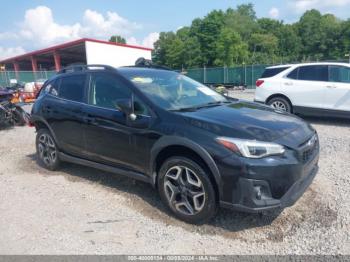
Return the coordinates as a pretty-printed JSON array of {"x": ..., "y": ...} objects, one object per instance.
[{"x": 309, "y": 149}]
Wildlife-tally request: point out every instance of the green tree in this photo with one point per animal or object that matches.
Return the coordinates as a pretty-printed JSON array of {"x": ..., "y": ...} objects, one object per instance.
[
  {"x": 344, "y": 40},
  {"x": 242, "y": 20},
  {"x": 117, "y": 39},
  {"x": 270, "y": 26},
  {"x": 264, "y": 48},
  {"x": 207, "y": 31},
  {"x": 162, "y": 48},
  {"x": 289, "y": 45},
  {"x": 191, "y": 48},
  {"x": 236, "y": 35},
  {"x": 230, "y": 49},
  {"x": 310, "y": 32},
  {"x": 331, "y": 36}
]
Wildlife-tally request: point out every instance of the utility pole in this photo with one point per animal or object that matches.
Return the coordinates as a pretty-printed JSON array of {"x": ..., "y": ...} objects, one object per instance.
[{"x": 348, "y": 55}]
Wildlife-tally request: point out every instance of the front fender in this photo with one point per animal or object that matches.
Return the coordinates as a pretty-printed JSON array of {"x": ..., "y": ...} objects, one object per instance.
[{"x": 166, "y": 141}]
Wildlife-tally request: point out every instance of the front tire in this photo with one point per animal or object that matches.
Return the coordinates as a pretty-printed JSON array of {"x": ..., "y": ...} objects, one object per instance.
[
  {"x": 46, "y": 149},
  {"x": 186, "y": 189},
  {"x": 280, "y": 103}
]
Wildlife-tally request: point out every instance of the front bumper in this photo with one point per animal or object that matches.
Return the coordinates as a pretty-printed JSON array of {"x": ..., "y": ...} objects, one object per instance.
[
  {"x": 251, "y": 204},
  {"x": 264, "y": 184}
]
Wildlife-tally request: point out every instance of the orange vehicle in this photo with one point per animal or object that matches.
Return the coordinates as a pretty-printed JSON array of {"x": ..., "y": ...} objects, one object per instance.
[
  {"x": 15, "y": 98},
  {"x": 27, "y": 93}
]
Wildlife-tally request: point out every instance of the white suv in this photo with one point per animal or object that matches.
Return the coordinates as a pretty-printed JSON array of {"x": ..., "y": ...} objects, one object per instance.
[{"x": 310, "y": 89}]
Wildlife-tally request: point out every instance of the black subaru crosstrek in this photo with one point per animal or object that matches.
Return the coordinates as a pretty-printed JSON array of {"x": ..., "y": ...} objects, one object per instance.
[{"x": 201, "y": 150}]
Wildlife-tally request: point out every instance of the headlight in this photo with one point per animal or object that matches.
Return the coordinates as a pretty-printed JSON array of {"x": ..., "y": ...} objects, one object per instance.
[{"x": 251, "y": 148}]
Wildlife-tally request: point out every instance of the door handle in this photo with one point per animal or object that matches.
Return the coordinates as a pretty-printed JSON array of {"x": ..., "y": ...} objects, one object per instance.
[
  {"x": 330, "y": 86},
  {"x": 288, "y": 83}
]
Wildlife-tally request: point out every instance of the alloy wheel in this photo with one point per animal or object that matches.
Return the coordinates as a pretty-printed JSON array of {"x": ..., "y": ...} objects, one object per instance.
[
  {"x": 279, "y": 105},
  {"x": 184, "y": 190},
  {"x": 47, "y": 149}
]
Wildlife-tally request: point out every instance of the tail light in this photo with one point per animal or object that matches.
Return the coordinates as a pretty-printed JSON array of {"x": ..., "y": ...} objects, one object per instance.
[{"x": 259, "y": 82}]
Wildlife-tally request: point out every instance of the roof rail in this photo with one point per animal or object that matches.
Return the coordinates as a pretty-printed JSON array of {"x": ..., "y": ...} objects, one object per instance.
[{"x": 78, "y": 68}]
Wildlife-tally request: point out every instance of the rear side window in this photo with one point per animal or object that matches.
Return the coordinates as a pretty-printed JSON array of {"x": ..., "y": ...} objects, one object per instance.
[
  {"x": 340, "y": 74},
  {"x": 270, "y": 72},
  {"x": 313, "y": 73},
  {"x": 45, "y": 89},
  {"x": 293, "y": 74},
  {"x": 54, "y": 87},
  {"x": 72, "y": 88},
  {"x": 48, "y": 87}
]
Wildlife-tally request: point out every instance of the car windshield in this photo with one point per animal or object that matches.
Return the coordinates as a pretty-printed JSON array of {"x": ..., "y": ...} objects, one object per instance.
[{"x": 173, "y": 91}]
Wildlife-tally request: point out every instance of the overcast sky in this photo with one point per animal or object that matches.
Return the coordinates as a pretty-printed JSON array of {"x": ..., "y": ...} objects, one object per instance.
[{"x": 32, "y": 24}]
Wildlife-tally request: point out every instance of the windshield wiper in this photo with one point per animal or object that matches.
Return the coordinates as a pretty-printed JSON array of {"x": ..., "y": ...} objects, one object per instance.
[
  {"x": 184, "y": 109},
  {"x": 211, "y": 104},
  {"x": 194, "y": 108}
]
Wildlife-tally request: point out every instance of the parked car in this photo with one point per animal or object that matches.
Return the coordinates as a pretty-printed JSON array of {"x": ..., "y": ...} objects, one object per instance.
[
  {"x": 200, "y": 149},
  {"x": 320, "y": 89}
]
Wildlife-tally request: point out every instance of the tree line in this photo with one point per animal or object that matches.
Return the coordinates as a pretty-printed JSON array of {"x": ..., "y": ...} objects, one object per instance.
[{"x": 237, "y": 36}]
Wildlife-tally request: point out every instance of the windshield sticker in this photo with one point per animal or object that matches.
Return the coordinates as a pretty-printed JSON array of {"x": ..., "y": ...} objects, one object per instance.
[
  {"x": 207, "y": 91},
  {"x": 143, "y": 80}
]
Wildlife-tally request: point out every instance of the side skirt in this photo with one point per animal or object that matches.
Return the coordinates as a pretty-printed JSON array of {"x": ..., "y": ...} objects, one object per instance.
[
  {"x": 111, "y": 169},
  {"x": 320, "y": 112}
]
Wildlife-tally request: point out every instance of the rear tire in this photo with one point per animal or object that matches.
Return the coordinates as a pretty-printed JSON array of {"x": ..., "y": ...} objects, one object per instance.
[
  {"x": 280, "y": 103},
  {"x": 47, "y": 150},
  {"x": 186, "y": 189}
]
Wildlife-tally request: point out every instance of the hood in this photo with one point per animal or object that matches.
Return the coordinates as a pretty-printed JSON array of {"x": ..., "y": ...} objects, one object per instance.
[{"x": 249, "y": 120}]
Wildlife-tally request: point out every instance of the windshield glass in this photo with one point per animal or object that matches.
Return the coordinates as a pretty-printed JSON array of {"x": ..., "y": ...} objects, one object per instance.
[{"x": 171, "y": 90}]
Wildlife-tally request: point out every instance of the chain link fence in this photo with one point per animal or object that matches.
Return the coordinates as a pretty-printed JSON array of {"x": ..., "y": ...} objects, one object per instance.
[
  {"x": 8, "y": 78},
  {"x": 245, "y": 75}
]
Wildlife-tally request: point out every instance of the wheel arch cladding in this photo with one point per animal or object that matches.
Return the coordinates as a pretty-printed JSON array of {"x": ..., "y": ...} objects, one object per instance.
[
  {"x": 170, "y": 146},
  {"x": 42, "y": 124}
]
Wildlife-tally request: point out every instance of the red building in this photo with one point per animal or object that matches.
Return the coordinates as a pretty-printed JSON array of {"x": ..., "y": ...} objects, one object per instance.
[{"x": 82, "y": 51}]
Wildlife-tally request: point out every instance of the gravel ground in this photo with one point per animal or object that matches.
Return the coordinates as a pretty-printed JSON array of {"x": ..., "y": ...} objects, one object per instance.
[{"x": 79, "y": 210}]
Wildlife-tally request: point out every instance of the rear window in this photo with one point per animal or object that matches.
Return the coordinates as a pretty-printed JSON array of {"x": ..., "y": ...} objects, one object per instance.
[
  {"x": 72, "y": 88},
  {"x": 270, "y": 72}
]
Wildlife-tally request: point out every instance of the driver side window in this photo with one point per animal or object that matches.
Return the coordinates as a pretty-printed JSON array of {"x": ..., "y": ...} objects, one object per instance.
[{"x": 106, "y": 90}]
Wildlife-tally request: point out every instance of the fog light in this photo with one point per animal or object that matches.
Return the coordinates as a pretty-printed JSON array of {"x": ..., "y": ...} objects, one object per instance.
[{"x": 257, "y": 190}]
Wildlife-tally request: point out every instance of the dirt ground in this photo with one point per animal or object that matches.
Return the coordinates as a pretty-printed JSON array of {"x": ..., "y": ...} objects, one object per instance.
[{"x": 80, "y": 210}]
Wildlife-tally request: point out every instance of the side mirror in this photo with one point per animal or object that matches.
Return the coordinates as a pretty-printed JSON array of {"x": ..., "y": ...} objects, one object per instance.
[{"x": 125, "y": 106}]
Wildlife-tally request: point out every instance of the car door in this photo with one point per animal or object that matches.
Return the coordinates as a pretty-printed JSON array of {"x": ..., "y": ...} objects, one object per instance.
[
  {"x": 63, "y": 111},
  {"x": 107, "y": 134},
  {"x": 306, "y": 85},
  {"x": 142, "y": 135},
  {"x": 338, "y": 91}
]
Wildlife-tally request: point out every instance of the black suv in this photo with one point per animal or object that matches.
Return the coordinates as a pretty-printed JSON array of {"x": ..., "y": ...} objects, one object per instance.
[{"x": 201, "y": 150}]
